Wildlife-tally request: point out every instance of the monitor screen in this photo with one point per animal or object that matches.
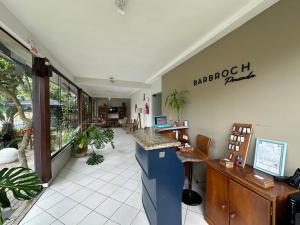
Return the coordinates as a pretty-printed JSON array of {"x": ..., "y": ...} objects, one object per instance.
[
  {"x": 161, "y": 120},
  {"x": 112, "y": 109}
]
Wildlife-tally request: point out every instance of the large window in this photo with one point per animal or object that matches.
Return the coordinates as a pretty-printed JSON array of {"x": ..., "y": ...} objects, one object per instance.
[
  {"x": 86, "y": 111},
  {"x": 63, "y": 111},
  {"x": 15, "y": 104},
  {"x": 16, "y": 134}
]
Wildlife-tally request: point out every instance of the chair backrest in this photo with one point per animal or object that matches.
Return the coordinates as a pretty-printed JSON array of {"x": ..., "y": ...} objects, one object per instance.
[{"x": 203, "y": 143}]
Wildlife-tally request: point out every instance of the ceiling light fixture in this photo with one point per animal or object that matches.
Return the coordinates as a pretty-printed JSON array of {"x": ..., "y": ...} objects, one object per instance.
[{"x": 121, "y": 4}]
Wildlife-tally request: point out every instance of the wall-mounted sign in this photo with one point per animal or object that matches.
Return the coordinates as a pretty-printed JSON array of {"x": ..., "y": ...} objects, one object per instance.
[{"x": 230, "y": 75}]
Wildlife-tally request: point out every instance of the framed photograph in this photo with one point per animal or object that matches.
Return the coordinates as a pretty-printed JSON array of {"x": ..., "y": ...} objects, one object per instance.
[{"x": 270, "y": 156}]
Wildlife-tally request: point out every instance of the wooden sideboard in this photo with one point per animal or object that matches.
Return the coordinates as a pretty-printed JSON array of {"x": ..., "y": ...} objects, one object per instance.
[{"x": 233, "y": 200}]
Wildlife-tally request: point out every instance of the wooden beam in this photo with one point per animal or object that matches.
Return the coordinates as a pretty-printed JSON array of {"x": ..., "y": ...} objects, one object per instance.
[
  {"x": 91, "y": 109},
  {"x": 80, "y": 108},
  {"x": 41, "y": 119}
]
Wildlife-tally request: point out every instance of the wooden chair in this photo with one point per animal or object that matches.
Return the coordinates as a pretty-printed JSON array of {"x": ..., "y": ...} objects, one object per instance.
[
  {"x": 201, "y": 153},
  {"x": 203, "y": 147}
]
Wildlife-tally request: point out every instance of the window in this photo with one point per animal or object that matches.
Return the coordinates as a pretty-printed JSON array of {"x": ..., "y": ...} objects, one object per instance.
[
  {"x": 86, "y": 111},
  {"x": 15, "y": 90},
  {"x": 63, "y": 110},
  {"x": 15, "y": 122}
]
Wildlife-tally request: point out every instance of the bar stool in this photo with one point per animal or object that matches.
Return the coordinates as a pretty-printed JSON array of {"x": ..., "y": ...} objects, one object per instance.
[{"x": 200, "y": 154}]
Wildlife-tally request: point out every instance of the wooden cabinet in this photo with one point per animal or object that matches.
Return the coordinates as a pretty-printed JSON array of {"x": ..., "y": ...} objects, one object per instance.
[
  {"x": 217, "y": 197},
  {"x": 247, "y": 207},
  {"x": 122, "y": 112},
  {"x": 102, "y": 112},
  {"x": 233, "y": 200}
]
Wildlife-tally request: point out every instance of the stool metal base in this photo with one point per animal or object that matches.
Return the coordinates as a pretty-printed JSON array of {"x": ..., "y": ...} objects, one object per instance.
[{"x": 190, "y": 197}]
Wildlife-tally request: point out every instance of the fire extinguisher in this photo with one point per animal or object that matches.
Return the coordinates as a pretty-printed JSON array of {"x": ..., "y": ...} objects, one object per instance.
[{"x": 146, "y": 109}]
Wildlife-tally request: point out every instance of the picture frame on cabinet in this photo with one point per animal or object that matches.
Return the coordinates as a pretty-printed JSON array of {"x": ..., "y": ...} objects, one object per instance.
[{"x": 270, "y": 156}]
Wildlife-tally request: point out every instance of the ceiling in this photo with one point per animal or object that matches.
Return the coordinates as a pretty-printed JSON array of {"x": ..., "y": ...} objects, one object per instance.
[{"x": 92, "y": 40}]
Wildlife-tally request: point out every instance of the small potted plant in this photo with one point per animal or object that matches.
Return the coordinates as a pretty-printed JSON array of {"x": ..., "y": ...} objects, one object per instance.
[{"x": 176, "y": 101}]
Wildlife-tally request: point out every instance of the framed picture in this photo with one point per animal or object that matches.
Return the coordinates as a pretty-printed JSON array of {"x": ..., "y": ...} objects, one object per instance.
[{"x": 270, "y": 156}]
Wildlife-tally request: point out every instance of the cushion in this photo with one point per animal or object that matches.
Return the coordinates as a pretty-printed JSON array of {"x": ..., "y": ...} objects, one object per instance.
[{"x": 8, "y": 155}]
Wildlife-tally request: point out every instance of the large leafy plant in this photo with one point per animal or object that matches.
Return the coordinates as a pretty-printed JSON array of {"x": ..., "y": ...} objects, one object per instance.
[
  {"x": 94, "y": 136},
  {"x": 80, "y": 141},
  {"x": 22, "y": 182},
  {"x": 98, "y": 137},
  {"x": 176, "y": 100}
]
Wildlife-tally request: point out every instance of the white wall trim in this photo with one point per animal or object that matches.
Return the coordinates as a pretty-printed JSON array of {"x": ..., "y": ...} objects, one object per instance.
[
  {"x": 242, "y": 16},
  {"x": 14, "y": 34}
]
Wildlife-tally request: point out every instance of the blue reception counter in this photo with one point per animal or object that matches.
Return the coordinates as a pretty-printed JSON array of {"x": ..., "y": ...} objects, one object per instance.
[{"x": 162, "y": 177}]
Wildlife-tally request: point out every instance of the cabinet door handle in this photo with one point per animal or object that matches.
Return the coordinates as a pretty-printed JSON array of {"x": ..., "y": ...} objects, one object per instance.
[
  {"x": 223, "y": 206},
  {"x": 232, "y": 215}
]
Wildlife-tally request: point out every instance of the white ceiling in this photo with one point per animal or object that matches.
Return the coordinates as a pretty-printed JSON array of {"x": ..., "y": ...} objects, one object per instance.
[{"x": 92, "y": 40}]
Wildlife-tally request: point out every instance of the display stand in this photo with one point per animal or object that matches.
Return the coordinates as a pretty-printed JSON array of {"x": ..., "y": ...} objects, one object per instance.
[{"x": 239, "y": 141}]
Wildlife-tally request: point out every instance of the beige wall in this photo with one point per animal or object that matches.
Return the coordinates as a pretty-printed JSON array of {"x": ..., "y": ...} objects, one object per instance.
[
  {"x": 137, "y": 98},
  {"x": 271, "y": 101}
]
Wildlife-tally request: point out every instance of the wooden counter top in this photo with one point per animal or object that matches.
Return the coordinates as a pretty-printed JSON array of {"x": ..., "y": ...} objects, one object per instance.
[
  {"x": 171, "y": 128},
  {"x": 149, "y": 139}
]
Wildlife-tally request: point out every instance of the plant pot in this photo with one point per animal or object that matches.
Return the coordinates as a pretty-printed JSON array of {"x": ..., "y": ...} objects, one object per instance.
[{"x": 80, "y": 154}]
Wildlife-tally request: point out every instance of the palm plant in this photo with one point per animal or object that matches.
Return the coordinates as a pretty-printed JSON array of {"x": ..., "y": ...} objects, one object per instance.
[
  {"x": 176, "y": 100},
  {"x": 22, "y": 182}
]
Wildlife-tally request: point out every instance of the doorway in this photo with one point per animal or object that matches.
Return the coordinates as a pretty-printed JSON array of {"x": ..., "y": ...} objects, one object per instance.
[{"x": 156, "y": 104}]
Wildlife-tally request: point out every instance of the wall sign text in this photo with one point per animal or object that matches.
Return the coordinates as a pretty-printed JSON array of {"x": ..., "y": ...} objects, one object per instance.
[{"x": 233, "y": 74}]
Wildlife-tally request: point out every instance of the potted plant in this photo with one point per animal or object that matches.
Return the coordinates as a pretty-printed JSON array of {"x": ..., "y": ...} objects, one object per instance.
[
  {"x": 22, "y": 182},
  {"x": 98, "y": 137},
  {"x": 176, "y": 100},
  {"x": 80, "y": 143}
]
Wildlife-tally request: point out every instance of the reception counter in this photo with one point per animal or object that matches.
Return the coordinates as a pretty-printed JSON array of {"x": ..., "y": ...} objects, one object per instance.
[{"x": 162, "y": 177}]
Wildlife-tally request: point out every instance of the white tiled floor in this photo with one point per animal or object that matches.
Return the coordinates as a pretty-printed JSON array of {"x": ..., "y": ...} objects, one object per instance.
[{"x": 106, "y": 194}]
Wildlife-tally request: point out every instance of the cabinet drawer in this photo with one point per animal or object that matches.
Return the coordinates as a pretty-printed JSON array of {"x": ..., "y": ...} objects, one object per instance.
[
  {"x": 149, "y": 207},
  {"x": 150, "y": 186},
  {"x": 217, "y": 204},
  {"x": 247, "y": 207},
  {"x": 143, "y": 158},
  {"x": 150, "y": 161}
]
